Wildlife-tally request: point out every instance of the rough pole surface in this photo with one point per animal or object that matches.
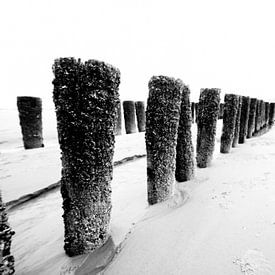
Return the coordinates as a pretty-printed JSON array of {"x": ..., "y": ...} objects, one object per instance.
[
  {"x": 162, "y": 119},
  {"x": 6, "y": 233},
  {"x": 118, "y": 127},
  {"x": 237, "y": 124},
  {"x": 184, "y": 149},
  {"x": 258, "y": 117},
  {"x": 208, "y": 111},
  {"x": 140, "y": 112},
  {"x": 252, "y": 116},
  {"x": 129, "y": 117},
  {"x": 271, "y": 114},
  {"x": 244, "y": 119},
  {"x": 30, "y": 116},
  {"x": 86, "y": 97},
  {"x": 231, "y": 104}
]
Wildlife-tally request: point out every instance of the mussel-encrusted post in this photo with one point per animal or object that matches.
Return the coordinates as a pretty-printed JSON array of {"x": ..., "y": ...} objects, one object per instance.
[
  {"x": 140, "y": 112},
  {"x": 185, "y": 150},
  {"x": 6, "y": 233},
  {"x": 237, "y": 123},
  {"x": 30, "y": 116},
  {"x": 129, "y": 117},
  {"x": 252, "y": 116},
  {"x": 162, "y": 119},
  {"x": 244, "y": 119},
  {"x": 231, "y": 104},
  {"x": 86, "y": 98},
  {"x": 208, "y": 112}
]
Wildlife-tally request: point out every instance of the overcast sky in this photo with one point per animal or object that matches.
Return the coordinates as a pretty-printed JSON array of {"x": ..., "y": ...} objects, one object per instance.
[{"x": 224, "y": 44}]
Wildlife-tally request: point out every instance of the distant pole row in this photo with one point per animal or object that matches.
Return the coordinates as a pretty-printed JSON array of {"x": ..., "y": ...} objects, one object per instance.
[{"x": 30, "y": 117}]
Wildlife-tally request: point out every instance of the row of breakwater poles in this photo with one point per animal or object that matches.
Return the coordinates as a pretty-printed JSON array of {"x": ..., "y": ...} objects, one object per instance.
[{"x": 87, "y": 109}]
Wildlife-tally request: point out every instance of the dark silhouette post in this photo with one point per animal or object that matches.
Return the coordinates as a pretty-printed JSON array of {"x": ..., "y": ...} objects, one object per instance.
[
  {"x": 208, "y": 112},
  {"x": 252, "y": 117},
  {"x": 231, "y": 102},
  {"x": 162, "y": 119},
  {"x": 267, "y": 110},
  {"x": 129, "y": 117},
  {"x": 140, "y": 112},
  {"x": 193, "y": 111},
  {"x": 30, "y": 116},
  {"x": 185, "y": 150},
  {"x": 86, "y": 99},
  {"x": 271, "y": 114}
]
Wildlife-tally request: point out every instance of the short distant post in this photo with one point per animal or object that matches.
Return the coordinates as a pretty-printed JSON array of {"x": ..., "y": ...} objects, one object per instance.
[
  {"x": 30, "y": 116},
  {"x": 267, "y": 110},
  {"x": 196, "y": 111},
  {"x": 271, "y": 114},
  {"x": 237, "y": 123},
  {"x": 185, "y": 150},
  {"x": 129, "y": 117},
  {"x": 231, "y": 104},
  {"x": 6, "y": 233},
  {"x": 162, "y": 119},
  {"x": 244, "y": 119},
  {"x": 140, "y": 112},
  {"x": 118, "y": 130},
  {"x": 86, "y": 98},
  {"x": 262, "y": 114},
  {"x": 251, "y": 118},
  {"x": 257, "y": 118},
  {"x": 221, "y": 110},
  {"x": 208, "y": 111}
]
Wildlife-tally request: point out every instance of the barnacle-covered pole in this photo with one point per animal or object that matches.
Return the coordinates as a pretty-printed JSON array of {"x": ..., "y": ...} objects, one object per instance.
[
  {"x": 231, "y": 104},
  {"x": 244, "y": 119},
  {"x": 129, "y": 117},
  {"x": 251, "y": 118},
  {"x": 162, "y": 119},
  {"x": 237, "y": 123},
  {"x": 208, "y": 111},
  {"x": 271, "y": 114},
  {"x": 6, "y": 233},
  {"x": 86, "y": 98},
  {"x": 185, "y": 150},
  {"x": 118, "y": 128},
  {"x": 140, "y": 112},
  {"x": 30, "y": 116}
]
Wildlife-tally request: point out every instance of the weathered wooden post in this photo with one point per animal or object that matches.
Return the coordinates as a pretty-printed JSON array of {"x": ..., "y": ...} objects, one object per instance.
[
  {"x": 118, "y": 128},
  {"x": 251, "y": 118},
  {"x": 266, "y": 113},
  {"x": 30, "y": 116},
  {"x": 6, "y": 233},
  {"x": 196, "y": 111},
  {"x": 86, "y": 98},
  {"x": 257, "y": 118},
  {"x": 231, "y": 104},
  {"x": 140, "y": 112},
  {"x": 244, "y": 119},
  {"x": 221, "y": 110},
  {"x": 193, "y": 111},
  {"x": 185, "y": 150},
  {"x": 208, "y": 111},
  {"x": 262, "y": 114},
  {"x": 271, "y": 114},
  {"x": 129, "y": 117},
  {"x": 162, "y": 119},
  {"x": 237, "y": 123}
]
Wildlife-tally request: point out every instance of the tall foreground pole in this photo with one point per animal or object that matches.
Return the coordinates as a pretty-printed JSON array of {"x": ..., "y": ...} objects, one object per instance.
[
  {"x": 6, "y": 233},
  {"x": 185, "y": 150},
  {"x": 162, "y": 119},
  {"x": 118, "y": 128},
  {"x": 86, "y": 97},
  {"x": 231, "y": 102},
  {"x": 30, "y": 116},
  {"x": 208, "y": 111}
]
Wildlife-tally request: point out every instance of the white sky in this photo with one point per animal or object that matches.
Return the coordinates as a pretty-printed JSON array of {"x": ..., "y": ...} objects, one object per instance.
[{"x": 224, "y": 44}]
